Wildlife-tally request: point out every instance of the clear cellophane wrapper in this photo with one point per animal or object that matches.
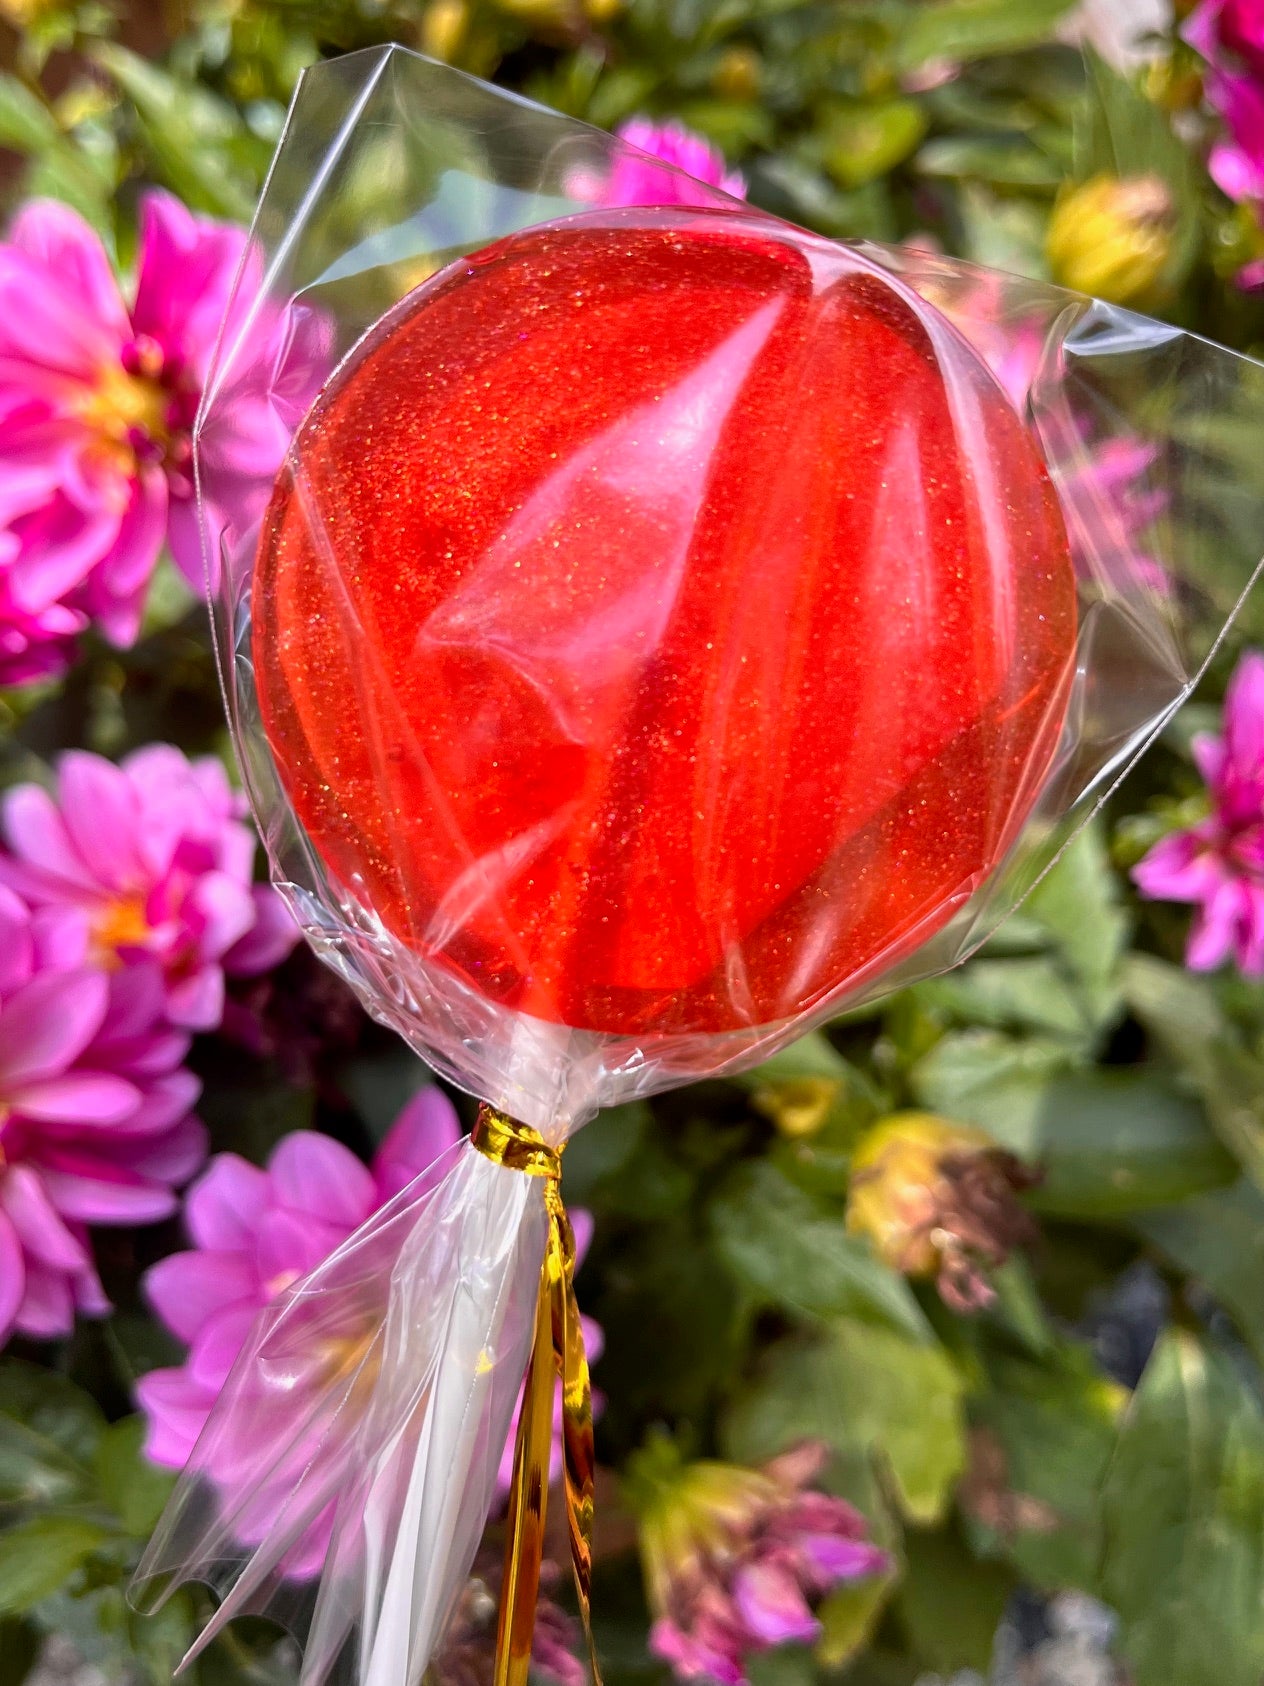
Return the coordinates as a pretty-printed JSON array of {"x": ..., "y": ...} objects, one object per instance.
[{"x": 345, "y": 1477}]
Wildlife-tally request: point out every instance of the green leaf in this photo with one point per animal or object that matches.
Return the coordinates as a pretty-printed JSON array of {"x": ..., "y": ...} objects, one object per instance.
[
  {"x": 795, "y": 1253},
  {"x": 199, "y": 144},
  {"x": 1043, "y": 1437},
  {"x": 1110, "y": 1142},
  {"x": 133, "y": 1488},
  {"x": 20, "y": 1644},
  {"x": 1029, "y": 994},
  {"x": 39, "y": 1555},
  {"x": 862, "y": 1389},
  {"x": 863, "y": 140},
  {"x": 1218, "y": 1239},
  {"x": 949, "y": 1605},
  {"x": 49, "y": 1430},
  {"x": 1078, "y": 903},
  {"x": 1181, "y": 1014},
  {"x": 967, "y": 1063},
  {"x": 1011, "y": 161},
  {"x": 974, "y": 29},
  {"x": 1184, "y": 1513},
  {"x": 28, "y": 127}
]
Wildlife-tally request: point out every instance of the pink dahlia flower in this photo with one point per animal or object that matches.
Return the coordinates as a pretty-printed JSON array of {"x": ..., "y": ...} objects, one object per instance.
[
  {"x": 154, "y": 855},
  {"x": 97, "y": 403},
  {"x": 254, "y": 1233},
  {"x": 1219, "y": 864},
  {"x": 95, "y": 1123}
]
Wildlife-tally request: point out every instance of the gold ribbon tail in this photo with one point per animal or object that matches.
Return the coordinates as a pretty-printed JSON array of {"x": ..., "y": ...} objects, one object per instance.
[{"x": 557, "y": 1350}]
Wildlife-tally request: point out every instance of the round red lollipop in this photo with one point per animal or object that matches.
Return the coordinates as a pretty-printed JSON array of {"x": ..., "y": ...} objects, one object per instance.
[{"x": 663, "y": 622}]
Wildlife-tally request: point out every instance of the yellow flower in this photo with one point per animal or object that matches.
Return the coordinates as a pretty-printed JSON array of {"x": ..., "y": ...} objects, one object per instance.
[
  {"x": 798, "y": 1106},
  {"x": 1111, "y": 236}
]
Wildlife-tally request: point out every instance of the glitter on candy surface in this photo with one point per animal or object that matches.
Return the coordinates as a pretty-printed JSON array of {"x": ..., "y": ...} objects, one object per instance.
[{"x": 664, "y": 622}]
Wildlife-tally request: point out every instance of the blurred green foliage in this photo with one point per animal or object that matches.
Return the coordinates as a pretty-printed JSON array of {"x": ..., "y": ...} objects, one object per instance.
[{"x": 989, "y": 1452}]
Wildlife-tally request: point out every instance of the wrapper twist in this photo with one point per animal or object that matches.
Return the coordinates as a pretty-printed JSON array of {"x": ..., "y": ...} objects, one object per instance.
[{"x": 557, "y": 1350}]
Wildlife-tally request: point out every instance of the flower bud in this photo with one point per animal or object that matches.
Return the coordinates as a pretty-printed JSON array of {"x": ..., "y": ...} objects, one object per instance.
[
  {"x": 1112, "y": 237},
  {"x": 937, "y": 1199},
  {"x": 797, "y": 1106},
  {"x": 738, "y": 73}
]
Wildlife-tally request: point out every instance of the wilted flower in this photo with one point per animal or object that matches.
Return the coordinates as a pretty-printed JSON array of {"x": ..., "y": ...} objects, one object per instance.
[
  {"x": 633, "y": 181},
  {"x": 254, "y": 1233},
  {"x": 95, "y": 1123},
  {"x": 469, "y": 1646},
  {"x": 939, "y": 1199},
  {"x": 1111, "y": 236},
  {"x": 1219, "y": 864},
  {"x": 736, "y": 1559},
  {"x": 154, "y": 855}
]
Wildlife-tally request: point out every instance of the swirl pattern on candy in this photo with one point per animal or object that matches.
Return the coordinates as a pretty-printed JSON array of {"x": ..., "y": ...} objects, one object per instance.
[{"x": 664, "y": 621}]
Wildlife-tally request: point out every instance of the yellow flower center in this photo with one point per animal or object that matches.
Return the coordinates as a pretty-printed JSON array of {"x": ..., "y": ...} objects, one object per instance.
[
  {"x": 119, "y": 407},
  {"x": 120, "y": 924}
]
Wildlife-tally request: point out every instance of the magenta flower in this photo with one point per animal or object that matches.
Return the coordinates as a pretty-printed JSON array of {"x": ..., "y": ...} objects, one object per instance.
[
  {"x": 637, "y": 181},
  {"x": 95, "y": 1123},
  {"x": 254, "y": 1233},
  {"x": 1230, "y": 36},
  {"x": 1219, "y": 864},
  {"x": 153, "y": 854},
  {"x": 736, "y": 1559},
  {"x": 97, "y": 402}
]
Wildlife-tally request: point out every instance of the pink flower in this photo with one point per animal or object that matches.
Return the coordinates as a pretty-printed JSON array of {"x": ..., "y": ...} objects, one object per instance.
[
  {"x": 737, "y": 1558},
  {"x": 254, "y": 1233},
  {"x": 95, "y": 1123},
  {"x": 154, "y": 855},
  {"x": 97, "y": 405},
  {"x": 1230, "y": 36},
  {"x": 637, "y": 181},
  {"x": 97, "y": 402},
  {"x": 1219, "y": 864}
]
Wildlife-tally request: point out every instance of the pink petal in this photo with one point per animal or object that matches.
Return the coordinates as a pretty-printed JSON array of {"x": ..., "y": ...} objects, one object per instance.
[
  {"x": 426, "y": 1128},
  {"x": 17, "y": 942},
  {"x": 188, "y": 1289},
  {"x": 12, "y": 1277},
  {"x": 217, "y": 1344},
  {"x": 48, "y": 1306},
  {"x": 38, "y": 1224},
  {"x": 60, "y": 240},
  {"x": 269, "y": 939},
  {"x": 225, "y": 1208},
  {"x": 101, "y": 816},
  {"x": 771, "y": 1604},
  {"x": 80, "y": 1101},
  {"x": 34, "y": 829},
  {"x": 197, "y": 1002},
  {"x": 314, "y": 1174},
  {"x": 173, "y": 1157},
  {"x": 176, "y": 1409},
  {"x": 1215, "y": 927},
  {"x": 48, "y": 1023},
  {"x": 292, "y": 1245},
  {"x": 94, "y": 1192}
]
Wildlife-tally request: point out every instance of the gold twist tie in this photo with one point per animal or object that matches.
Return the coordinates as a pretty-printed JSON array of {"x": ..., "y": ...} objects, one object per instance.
[{"x": 557, "y": 1349}]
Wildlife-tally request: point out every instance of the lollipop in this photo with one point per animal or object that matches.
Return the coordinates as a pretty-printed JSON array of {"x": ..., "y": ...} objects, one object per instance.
[
  {"x": 707, "y": 607},
  {"x": 665, "y": 630}
]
